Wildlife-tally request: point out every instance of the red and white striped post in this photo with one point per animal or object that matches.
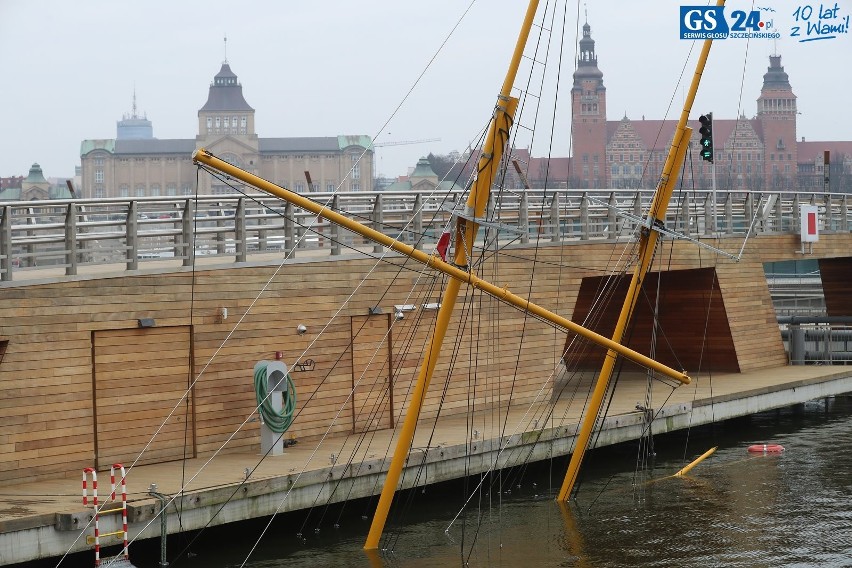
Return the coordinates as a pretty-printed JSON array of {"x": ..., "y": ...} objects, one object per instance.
[
  {"x": 94, "y": 475},
  {"x": 123, "y": 500}
]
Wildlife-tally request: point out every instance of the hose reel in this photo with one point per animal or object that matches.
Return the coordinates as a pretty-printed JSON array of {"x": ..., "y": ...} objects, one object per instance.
[{"x": 276, "y": 401}]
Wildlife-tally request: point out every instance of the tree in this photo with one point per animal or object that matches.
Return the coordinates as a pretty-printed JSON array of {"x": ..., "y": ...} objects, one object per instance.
[{"x": 446, "y": 167}]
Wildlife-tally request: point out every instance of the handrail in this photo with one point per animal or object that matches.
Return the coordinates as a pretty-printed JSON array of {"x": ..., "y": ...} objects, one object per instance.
[{"x": 84, "y": 232}]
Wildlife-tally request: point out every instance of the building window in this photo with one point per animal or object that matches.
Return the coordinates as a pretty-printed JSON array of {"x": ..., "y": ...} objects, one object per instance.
[
  {"x": 356, "y": 171},
  {"x": 615, "y": 170},
  {"x": 298, "y": 157},
  {"x": 171, "y": 190},
  {"x": 186, "y": 189},
  {"x": 140, "y": 190},
  {"x": 243, "y": 122},
  {"x": 100, "y": 193},
  {"x": 329, "y": 187},
  {"x": 638, "y": 170},
  {"x": 218, "y": 122},
  {"x": 209, "y": 122},
  {"x": 99, "y": 176},
  {"x": 99, "y": 161},
  {"x": 356, "y": 187},
  {"x": 300, "y": 187},
  {"x": 124, "y": 190},
  {"x": 155, "y": 190}
]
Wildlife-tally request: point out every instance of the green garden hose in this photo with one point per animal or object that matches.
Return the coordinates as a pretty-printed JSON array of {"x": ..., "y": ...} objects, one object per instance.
[{"x": 276, "y": 421}]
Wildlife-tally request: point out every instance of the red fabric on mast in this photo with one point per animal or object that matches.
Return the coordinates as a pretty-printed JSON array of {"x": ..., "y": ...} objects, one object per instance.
[{"x": 443, "y": 245}]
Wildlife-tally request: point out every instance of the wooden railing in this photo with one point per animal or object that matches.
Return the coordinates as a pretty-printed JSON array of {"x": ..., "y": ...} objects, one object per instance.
[{"x": 75, "y": 233}]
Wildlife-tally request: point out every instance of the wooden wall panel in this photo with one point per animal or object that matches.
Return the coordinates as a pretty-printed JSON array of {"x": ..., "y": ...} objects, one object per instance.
[
  {"x": 836, "y": 275},
  {"x": 497, "y": 353},
  {"x": 372, "y": 392},
  {"x": 140, "y": 377},
  {"x": 692, "y": 324}
]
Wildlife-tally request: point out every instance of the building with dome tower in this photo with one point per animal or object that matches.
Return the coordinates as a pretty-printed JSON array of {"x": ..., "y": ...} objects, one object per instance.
[
  {"x": 136, "y": 164},
  {"x": 756, "y": 153}
]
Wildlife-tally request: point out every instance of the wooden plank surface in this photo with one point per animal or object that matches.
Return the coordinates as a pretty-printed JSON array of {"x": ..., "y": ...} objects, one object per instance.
[
  {"x": 46, "y": 374},
  {"x": 140, "y": 381}
]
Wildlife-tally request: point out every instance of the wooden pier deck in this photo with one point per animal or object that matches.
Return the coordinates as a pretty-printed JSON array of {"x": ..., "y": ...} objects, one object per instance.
[{"x": 46, "y": 518}]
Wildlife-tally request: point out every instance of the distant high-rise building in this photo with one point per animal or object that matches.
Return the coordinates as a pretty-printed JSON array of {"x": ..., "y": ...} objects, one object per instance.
[
  {"x": 135, "y": 164},
  {"x": 134, "y": 127}
]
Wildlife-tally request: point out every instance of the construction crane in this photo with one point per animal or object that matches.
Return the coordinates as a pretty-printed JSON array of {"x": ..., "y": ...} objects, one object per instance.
[{"x": 405, "y": 142}]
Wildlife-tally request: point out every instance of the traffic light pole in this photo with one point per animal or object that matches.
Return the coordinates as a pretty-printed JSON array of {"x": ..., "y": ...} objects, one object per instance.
[{"x": 713, "y": 197}]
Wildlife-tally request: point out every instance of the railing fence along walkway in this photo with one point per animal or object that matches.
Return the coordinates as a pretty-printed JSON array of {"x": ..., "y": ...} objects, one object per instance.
[{"x": 75, "y": 233}]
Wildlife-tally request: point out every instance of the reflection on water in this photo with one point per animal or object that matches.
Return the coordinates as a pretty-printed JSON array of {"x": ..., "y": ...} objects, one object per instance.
[{"x": 735, "y": 509}]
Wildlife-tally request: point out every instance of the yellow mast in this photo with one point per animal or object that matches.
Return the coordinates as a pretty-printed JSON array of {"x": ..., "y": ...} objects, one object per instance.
[
  {"x": 466, "y": 230},
  {"x": 647, "y": 247}
]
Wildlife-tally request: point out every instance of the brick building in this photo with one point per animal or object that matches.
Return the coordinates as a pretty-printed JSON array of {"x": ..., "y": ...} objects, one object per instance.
[{"x": 756, "y": 153}]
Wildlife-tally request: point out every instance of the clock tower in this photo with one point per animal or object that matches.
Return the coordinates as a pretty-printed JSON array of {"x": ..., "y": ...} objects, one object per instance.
[{"x": 588, "y": 124}]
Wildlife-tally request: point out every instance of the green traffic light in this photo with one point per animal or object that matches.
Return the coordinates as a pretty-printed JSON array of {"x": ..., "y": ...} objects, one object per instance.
[{"x": 706, "y": 132}]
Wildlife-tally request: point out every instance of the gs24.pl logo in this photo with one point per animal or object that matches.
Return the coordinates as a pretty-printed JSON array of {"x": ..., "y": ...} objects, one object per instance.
[{"x": 709, "y": 22}]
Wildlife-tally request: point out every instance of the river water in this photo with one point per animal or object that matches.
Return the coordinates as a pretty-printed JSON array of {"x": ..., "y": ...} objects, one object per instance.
[{"x": 734, "y": 509}]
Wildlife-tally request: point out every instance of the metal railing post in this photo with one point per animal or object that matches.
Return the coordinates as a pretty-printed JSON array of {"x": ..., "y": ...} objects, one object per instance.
[
  {"x": 335, "y": 229},
  {"x": 524, "y": 218},
  {"x": 240, "y": 244},
  {"x": 131, "y": 237},
  {"x": 708, "y": 215},
  {"x": 30, "y": 259},
  {"x": 378, "y": 220},
  {"x": 289, "y": 240},
  {"x": 612, "y": 219},
  {"x": 6, "y": 244},
  {"x": 71, "y": 240},
  {"x": 684, "y": 215},
  {"x": 417, "y": 222},
  {"x": 188, "y": 234},
  {"x": 555, "y": 221},
  {"x": 729, "y": 214},
  {"x": 221, "y": 241},
  {"x": 584, "y": 218}
]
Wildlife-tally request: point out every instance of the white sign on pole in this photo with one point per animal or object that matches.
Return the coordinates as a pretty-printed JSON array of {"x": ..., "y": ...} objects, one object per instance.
[{"x": 810, "y": 223}]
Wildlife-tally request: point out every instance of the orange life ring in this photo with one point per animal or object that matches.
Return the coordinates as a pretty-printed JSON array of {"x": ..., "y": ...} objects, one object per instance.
[{"x": 766, "y": 448}]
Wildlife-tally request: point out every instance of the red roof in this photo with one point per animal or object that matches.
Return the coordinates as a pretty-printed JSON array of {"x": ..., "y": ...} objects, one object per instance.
[{"x": 810, "y": 151}]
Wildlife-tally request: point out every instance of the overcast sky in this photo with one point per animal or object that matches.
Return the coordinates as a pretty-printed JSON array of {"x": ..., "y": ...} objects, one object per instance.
[{"x": 322, "y": 68}]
